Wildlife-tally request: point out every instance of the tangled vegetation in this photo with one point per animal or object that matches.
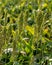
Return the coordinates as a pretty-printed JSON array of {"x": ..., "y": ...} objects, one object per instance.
[{"x": 25, "y": 32}]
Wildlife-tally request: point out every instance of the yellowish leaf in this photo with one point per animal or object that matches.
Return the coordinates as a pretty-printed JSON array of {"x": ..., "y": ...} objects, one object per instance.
[
  {"x": 44, "y": 5},
  {"x": 30, "y": 29}
]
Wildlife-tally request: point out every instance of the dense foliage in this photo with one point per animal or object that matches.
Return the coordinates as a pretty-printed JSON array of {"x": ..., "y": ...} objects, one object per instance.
[{"x": 25, "y": 32}]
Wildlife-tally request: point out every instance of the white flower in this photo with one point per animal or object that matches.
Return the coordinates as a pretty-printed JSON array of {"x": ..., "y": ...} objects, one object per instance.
[
  {"x": 50, "y": 59},
  {"x": 25, "y": 38},
  {"x": 23, "y": 52},
  {"x": 8, "y": 50},
  {"x": 0, "y": 2}
]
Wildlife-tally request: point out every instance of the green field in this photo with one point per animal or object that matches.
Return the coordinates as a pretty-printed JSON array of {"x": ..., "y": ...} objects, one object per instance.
[{"x": 25, "y": 32}]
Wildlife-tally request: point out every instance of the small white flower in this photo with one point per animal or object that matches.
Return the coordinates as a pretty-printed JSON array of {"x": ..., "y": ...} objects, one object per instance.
[
  {"x": 8, "y": 50},
  {"x": 29, "y": 18},
  {"x": 22, "y": 52},
  {"x": 47, "y": 57},
  {"x": 25, "y": 38},
  {"x": 0, "y": 2},
  {"x": 9, "y": 43},
  {"x": 38, "y": 10},
  {"x": 50, "y": 59}
]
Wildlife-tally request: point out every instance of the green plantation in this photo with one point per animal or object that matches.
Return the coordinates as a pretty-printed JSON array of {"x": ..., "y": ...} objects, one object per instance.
[{"x": 25, "y": 32}]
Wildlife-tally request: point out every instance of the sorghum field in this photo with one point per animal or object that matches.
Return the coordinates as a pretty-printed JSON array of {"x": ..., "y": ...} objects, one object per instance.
[{"x": 25, "y": 32}]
